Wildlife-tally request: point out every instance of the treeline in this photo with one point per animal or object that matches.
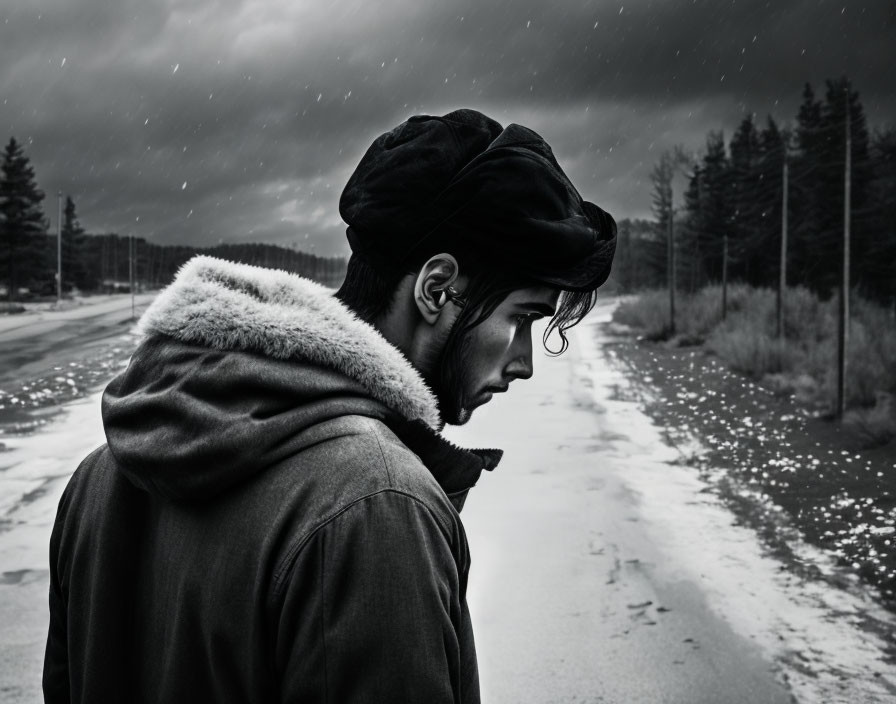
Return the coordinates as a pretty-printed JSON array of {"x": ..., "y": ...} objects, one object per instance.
[
  {"x": 106, "y": 262},
  {"x": 731, "y": 221},
  {"x": 638, "y": 263}
]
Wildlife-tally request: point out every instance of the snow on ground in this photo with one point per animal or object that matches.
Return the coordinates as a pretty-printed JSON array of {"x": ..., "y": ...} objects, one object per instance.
[
  {"x": 33, "y": 473},
  {"x": 35, "y": 470},
  {"x": 812, "y": 630}
]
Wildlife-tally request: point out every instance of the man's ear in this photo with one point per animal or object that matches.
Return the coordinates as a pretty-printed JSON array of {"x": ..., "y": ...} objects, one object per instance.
[{"x": 437, "y": 274}]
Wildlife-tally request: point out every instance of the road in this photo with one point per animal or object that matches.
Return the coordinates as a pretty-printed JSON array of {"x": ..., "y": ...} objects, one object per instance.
[
  {"x": 603, "y": 570},
  {"x": 572, "y": 597},
  {"x": 33, "y": 342}
]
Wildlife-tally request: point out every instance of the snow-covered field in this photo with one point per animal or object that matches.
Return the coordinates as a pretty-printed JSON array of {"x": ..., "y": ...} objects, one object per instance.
[{"x": 603, "y": 568}]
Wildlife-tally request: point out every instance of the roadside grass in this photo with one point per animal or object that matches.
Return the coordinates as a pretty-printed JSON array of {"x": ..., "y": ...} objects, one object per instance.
[
  {"x": 803, "y": 363},
  {"x": 874, "y": 426},
  {"x": 648, "y": 312}
]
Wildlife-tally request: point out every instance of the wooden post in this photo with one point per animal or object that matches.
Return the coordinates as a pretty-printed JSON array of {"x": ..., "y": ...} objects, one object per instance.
[
  {"x": 131, "y": 271},
  {"x": 844, "y": 282},
  {"x": 671, "y": 264},
  {"x": 695, "y": 276},
  {"x": 782, "y": 280},
  {"x": 59, "y": 249},
  {"x": 103, "y": 241},
  {"x": 724, "y": 276}
]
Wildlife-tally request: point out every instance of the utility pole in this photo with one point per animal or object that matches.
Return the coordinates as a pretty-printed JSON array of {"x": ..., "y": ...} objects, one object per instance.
[
  {"x": 694, "y": 273},
  {"x": 669, "y": 164},
  {"x": 671, "y": 265},
  {"x": 844, "y": 283},
  {"x": 131, "y": 270},
  {"x": 782, "y": 280},
  {"x": 59, "y": 248},
  {"x": 724, "y": 276}
]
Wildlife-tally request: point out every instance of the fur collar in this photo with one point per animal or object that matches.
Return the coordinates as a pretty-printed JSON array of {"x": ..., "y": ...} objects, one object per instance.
[{"x": 222, "y": 305}]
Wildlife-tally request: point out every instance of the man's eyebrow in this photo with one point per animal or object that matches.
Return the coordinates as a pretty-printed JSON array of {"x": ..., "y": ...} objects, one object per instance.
[{"x": 545, "y": 309}]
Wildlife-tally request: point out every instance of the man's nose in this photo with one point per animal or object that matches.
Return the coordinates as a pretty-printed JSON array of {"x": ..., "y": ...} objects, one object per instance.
[{"x": 520, "y": 367}]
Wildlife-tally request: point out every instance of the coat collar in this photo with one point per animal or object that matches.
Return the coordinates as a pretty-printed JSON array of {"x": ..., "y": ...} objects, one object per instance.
[
  {"x": 456, "y": 469},
  {"x": 227, "y": 306}
]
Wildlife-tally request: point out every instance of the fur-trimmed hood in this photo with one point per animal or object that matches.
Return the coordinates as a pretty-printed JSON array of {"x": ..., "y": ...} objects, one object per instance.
[
  {"x": 238, "y": 367},
  {"x": 227, "y": 306}
]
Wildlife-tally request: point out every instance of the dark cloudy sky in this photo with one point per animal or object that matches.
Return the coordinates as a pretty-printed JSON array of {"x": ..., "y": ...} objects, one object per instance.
[{"x": 196, "y": 121}]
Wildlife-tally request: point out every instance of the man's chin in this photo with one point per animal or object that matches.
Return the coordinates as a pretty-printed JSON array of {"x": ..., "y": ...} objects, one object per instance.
[
  {"x": 458, "y": 418},
  {"x": 461, "y": 414}
]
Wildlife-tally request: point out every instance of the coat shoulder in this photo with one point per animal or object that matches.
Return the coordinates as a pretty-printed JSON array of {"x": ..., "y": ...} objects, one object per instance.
[
  {"x": 363, "y": 472},
  {"x": 362, "y": 456}
]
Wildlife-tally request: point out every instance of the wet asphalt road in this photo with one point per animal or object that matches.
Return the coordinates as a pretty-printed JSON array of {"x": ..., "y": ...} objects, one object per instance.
[
  {"x": 572, "y": 597},
  {"x": 33, "y": 343}
]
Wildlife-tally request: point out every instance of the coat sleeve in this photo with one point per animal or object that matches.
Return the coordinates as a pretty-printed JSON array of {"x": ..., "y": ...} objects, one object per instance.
[
  {"x": 56, "y": 670},
  {"x": 372, "y": 609}
]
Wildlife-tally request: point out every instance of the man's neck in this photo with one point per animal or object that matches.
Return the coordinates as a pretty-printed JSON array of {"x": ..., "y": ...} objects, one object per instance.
[{"x": 400, "y": 323}]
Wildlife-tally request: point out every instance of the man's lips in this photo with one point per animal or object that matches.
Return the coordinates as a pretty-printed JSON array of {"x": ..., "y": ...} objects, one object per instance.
[{"x": 486, "y": 394}]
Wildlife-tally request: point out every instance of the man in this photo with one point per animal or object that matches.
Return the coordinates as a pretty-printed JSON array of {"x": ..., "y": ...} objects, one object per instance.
[{"x": 275, "y": 515}]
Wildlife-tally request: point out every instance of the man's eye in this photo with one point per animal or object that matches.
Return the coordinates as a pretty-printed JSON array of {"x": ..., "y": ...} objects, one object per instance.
[{"x": 523, "y": 319}]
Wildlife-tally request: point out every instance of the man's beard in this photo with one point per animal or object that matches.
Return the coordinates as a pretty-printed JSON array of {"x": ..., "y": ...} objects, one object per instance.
[{"x": 448, "y": 375}]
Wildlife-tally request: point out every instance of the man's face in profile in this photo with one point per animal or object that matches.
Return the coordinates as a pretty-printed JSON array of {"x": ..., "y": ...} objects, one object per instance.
[{"x": 482, "y": 361}]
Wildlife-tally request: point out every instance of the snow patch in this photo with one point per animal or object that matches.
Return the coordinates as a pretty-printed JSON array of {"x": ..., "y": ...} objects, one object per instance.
[{"x": 35, "y": 471}]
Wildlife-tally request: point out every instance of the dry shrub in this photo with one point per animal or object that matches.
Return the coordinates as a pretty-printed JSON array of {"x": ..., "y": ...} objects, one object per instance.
[
  {"x": 874, "y": 426},
  {"x": 648, "y": 312},
  {"x": 879, "y": 344},
  {"x": 870, "y": 358},
  {"x": 700, "y": 313},
  {"x": 807, "y": 319},
  {"x": 870, "y": 362},
  {"x": 750, "y": 350},
  {"x": 746, "y": 340}
]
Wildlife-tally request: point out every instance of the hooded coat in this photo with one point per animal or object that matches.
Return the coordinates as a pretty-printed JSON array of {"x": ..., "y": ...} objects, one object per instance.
[{"x": 274, "y": 516}]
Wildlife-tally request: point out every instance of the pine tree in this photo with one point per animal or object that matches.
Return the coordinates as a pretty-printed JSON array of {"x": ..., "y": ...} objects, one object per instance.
[
  {"x": 743, "y": 206},
  {"x": 74, "y": 269},
  {"x": 808, "y": 201},
  {"x": 839, "y": 94},
  {"x": 693, "y": 233},
  {"x": 818, "y": 186},
  {"x": 715, "y": 202},
  {"x": 661, "y": 176},
  {"x": 22, "y": 224},
  {"x": 765, "y": 255},
  {"x": 877, "y": 264}
]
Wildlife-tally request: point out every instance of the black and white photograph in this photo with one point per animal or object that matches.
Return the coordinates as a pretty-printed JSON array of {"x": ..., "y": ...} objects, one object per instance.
[{"x": 448, "y": 352}]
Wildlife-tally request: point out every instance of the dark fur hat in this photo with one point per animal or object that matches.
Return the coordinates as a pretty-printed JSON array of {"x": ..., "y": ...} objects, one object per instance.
[{"x": 463, "y": 182}]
